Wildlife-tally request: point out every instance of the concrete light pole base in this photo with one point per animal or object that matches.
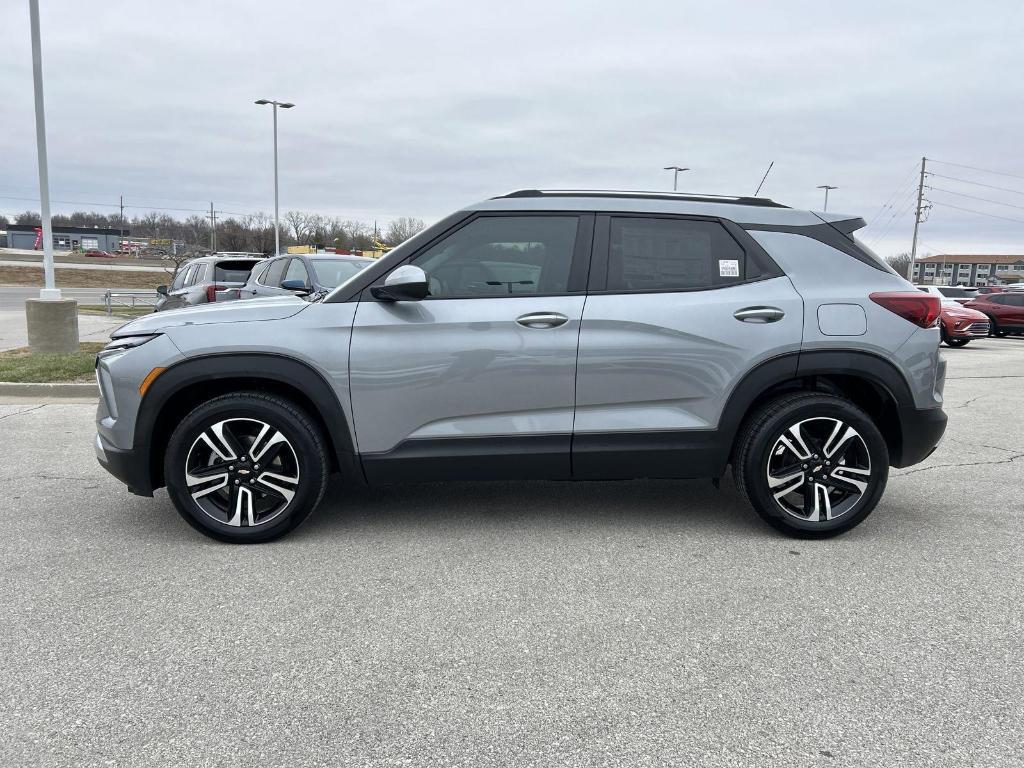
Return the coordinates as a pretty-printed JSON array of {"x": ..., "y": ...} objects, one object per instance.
[{"x": 52, "y": 326}]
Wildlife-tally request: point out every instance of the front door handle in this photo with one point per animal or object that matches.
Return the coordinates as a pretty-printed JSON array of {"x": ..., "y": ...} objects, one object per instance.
[
  {"x": 542, "y": 320},
  {"x": 759, "y": 314}
]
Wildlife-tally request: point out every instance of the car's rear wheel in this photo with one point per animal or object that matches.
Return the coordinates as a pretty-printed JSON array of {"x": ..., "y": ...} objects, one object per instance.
[
  {"x": 246, "y": 467},
  {"x": 812, "y": 465}
]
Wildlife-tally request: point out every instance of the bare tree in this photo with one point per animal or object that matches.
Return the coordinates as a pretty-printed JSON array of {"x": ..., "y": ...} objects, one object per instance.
[
  {"x": 299, "y": 222},
  {"x": 900, "y": 263},
  {"x": 28, "y": 217},
  {"x": 402, "y": 229}
]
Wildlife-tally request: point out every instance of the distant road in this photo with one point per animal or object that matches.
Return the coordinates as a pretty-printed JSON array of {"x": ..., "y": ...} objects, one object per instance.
[
  {"x": 112, "y": 267},
  {"x": 13, "y": 297}
]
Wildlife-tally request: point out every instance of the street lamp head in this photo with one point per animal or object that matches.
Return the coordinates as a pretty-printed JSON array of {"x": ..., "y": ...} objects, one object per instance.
[
  {"x": 826, "y": 186},
  {"x": 286, "y": 105},
  {"x": 675, "y": 168},
  {"x": 262, "y": 101}
]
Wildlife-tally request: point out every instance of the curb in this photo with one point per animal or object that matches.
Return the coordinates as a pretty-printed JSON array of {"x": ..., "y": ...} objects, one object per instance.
[{"x": 10, "y": 389}]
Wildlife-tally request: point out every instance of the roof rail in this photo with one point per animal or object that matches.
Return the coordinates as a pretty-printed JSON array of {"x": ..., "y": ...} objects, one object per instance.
[{"x": 763, "y": 202}]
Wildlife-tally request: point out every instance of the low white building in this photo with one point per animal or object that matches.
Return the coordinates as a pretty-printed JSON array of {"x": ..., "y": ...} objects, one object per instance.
[{"x": 969, "y": 269}]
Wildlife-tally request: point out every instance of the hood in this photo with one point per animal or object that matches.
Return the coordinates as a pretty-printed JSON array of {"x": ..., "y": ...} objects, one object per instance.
[
  {"x": 961, "y": 312},
  {"x": 244, "y": 311}
]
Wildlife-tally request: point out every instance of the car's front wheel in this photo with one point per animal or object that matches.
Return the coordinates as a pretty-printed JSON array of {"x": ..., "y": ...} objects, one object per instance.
[
  {"x": 812, "y": 465},
  {"x": 993, "y": 328},
  {"x": 246, "y": 467},
  {"x": 955, "y": 342}
]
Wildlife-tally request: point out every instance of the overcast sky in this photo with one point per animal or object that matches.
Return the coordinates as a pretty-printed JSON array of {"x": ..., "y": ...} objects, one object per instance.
[{"x": 417, "y": 108}]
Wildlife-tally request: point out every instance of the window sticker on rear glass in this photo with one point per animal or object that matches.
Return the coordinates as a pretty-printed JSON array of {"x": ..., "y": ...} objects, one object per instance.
[{"x": 728, "y": 268}]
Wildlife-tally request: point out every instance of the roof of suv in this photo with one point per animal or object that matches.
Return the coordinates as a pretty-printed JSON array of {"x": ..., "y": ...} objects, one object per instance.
[{"x": 742, "y": 210}]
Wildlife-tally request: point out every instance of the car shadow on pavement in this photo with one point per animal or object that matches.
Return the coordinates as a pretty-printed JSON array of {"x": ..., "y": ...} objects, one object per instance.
[{"x": 684, "y": 505}]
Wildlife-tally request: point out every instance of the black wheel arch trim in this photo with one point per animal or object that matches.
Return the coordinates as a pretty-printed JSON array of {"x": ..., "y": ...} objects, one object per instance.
[
  {"x": 796, "y": 365},
  {"x": 255, "y": 367}
]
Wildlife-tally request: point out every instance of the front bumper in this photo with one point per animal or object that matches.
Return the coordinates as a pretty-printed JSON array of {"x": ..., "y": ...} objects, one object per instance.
[
  {"x": 975, "y": 330},
  {"x": 131, "y": 467},
  {"x": 922, "y": 429}
]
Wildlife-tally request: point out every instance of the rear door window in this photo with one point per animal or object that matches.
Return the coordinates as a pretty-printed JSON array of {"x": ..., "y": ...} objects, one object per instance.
[{"x": 655, "y": 254}]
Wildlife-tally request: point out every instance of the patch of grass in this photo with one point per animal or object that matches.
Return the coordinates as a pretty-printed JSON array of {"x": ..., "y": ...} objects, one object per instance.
[
  {"x": 84, "y": 278},
  {"x": 99, "y": 309},
  {"x": 19, "y": 365}
]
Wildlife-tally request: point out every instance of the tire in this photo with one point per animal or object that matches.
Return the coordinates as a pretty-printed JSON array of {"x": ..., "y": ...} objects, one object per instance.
[
  {"x": 957, "y": 342},
  {"x": 993, "y": 328},
  {"x": 766, "y": 445},
  {"x": 213, "y": 471}
]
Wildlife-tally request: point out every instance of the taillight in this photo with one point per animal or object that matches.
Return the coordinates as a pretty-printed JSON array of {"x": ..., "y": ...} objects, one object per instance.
[
  {"x": 922, "y": 309},
  {"x": 211, "y": 293}
]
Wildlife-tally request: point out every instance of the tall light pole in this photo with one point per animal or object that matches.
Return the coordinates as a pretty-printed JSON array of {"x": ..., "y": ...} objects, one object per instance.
[
  {"x": 676, "y": 170},
  {"x": 50, "y": 291},
  {"x": 277, "y": 220},
  {"x": 826, "y": 187}
]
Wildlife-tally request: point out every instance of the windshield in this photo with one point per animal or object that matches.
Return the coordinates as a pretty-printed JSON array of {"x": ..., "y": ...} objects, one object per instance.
[
  {"x": 952, "y": 292},
  {"x": 331, "y": 273}
]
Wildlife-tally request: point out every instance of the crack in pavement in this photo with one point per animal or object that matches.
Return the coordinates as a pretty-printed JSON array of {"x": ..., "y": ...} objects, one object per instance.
[
  {"x": 972, "y": 400},
  {"x": 18, "y": 413},
  {"x": 1007, "y": 460}
]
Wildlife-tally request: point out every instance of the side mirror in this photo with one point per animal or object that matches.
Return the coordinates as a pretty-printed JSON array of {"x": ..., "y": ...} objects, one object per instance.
[
  {"x": 407, "y": 283},
  {"x": 297, "y": 286},
  {"x": 162, "y": 290}
]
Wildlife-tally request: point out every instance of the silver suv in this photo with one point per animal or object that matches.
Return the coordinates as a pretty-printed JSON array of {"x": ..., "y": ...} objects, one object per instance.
[{"x": 545, "y": 335}]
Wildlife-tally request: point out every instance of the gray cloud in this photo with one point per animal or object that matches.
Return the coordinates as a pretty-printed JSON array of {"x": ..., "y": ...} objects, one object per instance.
[{"x": 418, "y": 108}]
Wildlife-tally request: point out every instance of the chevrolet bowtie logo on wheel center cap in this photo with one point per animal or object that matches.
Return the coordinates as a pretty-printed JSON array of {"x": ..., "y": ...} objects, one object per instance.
[{"x": 243, "y": 471}]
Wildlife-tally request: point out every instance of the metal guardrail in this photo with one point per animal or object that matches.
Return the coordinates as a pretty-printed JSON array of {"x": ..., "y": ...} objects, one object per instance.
[{"x": 129, "y": 299}]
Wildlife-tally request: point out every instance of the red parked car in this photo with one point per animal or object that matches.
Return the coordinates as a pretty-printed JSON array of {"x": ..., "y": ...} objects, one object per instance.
[
  {"x": 960, "y": 324},
  {"x": 990, "y": 289},
  {"x": 1005, "y": 311}
]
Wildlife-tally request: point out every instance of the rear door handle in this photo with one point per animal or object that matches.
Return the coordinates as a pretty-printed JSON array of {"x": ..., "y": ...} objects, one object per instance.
[
  {"x": 542, "y": 320},
  {"x": 759, "y": 314}
]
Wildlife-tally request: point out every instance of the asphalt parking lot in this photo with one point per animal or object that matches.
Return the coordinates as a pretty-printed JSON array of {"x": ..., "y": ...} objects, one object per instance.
[{"x": 554, "y": 624}]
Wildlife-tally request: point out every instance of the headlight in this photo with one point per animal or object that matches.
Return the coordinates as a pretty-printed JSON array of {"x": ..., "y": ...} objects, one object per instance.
[{"x": 125, "y": 343}]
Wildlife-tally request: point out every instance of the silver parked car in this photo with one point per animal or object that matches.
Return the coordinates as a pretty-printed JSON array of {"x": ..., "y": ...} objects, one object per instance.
[
  {"x": 206, "y": 280},
  {"x": 545, "y": 335},
  {"x": 301, "y": 274}
]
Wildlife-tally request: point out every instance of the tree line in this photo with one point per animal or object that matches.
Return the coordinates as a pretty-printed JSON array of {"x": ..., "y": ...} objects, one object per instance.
[{"x": 253, "y": 232}]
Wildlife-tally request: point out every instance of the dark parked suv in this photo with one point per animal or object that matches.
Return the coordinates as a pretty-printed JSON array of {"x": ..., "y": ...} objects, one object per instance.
[
  {"x": 545, "y": 335},
  {"x": 206, "y": 280}
]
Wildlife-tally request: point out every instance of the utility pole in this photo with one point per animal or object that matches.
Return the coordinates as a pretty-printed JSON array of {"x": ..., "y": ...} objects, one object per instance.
[
  {"x": 50, "y": 291},
  {"x": 213, "y": 229},
  {"x": 122, "y": 221},
  {"x": 917, "y": 223}
]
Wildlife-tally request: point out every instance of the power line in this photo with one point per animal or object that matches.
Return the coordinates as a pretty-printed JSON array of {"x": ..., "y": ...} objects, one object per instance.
[
  {"x": 974, "y": 168},
  {"x": 890, "y": 201},
  {"x": 976, "y": 183},
  {"x": 119, "y": 205},
  {"x": 980, "y": 213},
  {"x": 975, "y": 197},
  {"x": 907, "y": 203}
]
